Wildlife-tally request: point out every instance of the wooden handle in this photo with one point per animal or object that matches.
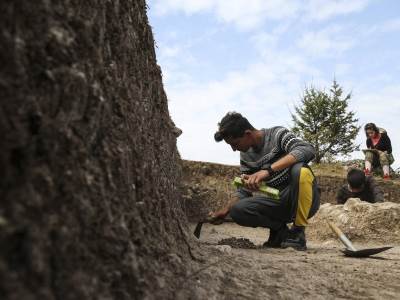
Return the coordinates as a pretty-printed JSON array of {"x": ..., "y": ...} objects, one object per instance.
[
  {"x": 349, "y": 245},
  {"x": 335, "y": 229}
]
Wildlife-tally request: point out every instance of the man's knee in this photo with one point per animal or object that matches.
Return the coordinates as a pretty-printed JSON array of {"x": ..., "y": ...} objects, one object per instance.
[
  {"x": 301, "y": 174},
  {"x": 237, "y": 212},
  {"x": 306, "y": 176},
  {"x": 244, "y": 213}
]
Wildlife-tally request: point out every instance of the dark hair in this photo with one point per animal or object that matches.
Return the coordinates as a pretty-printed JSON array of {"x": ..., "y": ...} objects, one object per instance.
[
  {"x": 371, "y": 126},
  {"x": 356, "y": 178},
  {"x": 232, "y": 125}
]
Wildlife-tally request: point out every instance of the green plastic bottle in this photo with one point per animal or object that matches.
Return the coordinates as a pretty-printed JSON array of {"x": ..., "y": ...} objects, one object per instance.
[{"x": 269, "y": 191}]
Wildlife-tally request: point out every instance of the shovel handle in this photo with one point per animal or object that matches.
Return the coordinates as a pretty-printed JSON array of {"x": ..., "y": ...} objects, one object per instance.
[
  {"x": 335, "y": 229},
  {"x": 341, "y": 236}
]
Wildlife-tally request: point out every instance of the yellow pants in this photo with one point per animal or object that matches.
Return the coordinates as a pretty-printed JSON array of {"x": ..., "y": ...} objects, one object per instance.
[{"x": 305, "y": 197}]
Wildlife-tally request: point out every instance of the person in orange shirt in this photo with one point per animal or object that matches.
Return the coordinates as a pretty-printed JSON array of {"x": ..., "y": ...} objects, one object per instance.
[{"x": 378, "y": 139}]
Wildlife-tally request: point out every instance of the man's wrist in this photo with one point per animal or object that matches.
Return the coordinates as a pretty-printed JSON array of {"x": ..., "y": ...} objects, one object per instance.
[{"x": 269, "y": 170}]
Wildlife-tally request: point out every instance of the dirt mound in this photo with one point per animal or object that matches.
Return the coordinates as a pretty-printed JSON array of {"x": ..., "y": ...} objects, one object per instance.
[
  {"x": 242, "y": 243},
  {"x": 359, "y": 220},
  {"x": 90, "y": 206}
]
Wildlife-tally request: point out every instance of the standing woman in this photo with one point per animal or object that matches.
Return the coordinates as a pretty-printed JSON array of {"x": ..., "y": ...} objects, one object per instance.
[{"x": 378, "y": 139}]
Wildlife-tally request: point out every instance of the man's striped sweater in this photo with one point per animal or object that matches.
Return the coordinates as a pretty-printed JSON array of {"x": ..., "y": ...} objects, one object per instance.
[{"x": 277, "y": 142}]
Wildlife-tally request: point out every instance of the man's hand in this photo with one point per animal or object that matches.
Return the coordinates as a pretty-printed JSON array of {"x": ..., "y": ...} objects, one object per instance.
[
  {"x": 252, "y": 182},
  {"x": 218, "y": 216}
]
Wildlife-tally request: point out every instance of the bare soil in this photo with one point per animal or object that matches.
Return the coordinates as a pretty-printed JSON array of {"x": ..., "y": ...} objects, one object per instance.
[
  {"x": 232, "y": 264},
  {"x": 91, "y": 202},
  {"x": 321, "y": 272}
]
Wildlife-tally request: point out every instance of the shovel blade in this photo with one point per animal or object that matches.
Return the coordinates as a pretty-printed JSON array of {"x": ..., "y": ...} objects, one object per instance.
[
  {"x": 197, "y": 230},
  {"x": 365, "y": 252}
]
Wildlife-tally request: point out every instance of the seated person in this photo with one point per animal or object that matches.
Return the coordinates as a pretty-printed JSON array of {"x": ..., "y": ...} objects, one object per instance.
[
  {"x": 359, "y": 186},
  {"x": 378, "y": 139}
]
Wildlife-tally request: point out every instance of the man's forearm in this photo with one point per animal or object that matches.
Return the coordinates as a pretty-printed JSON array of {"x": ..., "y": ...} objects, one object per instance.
[
  {"x": 226, "y": 210},
  {"x": 231, "y": 204},
  {"x": 240, "y": 194},
  {"x": 285, "y": 162}
]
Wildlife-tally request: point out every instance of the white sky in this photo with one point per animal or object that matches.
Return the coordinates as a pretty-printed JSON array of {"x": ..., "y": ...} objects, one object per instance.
[{"x": 256, "y": 57}]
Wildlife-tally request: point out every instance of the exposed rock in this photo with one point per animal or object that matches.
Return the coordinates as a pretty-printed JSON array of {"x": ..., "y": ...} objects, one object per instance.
[{"x": 224, "y": 248}]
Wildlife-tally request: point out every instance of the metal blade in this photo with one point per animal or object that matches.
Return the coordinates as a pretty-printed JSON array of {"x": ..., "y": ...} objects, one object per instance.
[
  {"x": 197, "y": 230},
  {"x": 365, "y": 252}
]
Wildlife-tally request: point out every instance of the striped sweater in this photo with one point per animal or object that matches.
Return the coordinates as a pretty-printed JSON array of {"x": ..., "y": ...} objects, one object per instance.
[{"x": 277, "y": 142}]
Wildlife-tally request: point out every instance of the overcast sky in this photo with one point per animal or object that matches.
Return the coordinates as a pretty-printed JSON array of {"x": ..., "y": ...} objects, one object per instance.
[{"x": 256, "y": 57}]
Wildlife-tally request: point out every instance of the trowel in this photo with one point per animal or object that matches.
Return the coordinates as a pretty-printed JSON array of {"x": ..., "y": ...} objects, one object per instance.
[
  {"x": 197, "y": 230},
  {"x": 350, "y": 250}
]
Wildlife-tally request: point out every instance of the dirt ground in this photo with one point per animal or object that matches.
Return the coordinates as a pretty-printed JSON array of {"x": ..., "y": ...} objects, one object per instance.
[
  {"x": 321, "y": 272},
  {"x": 233, "y": 265}
]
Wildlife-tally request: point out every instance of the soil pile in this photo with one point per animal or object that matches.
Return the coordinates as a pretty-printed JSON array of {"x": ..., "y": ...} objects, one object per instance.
[
  {"x": 238, "y": 243},
  {"x": 359, "y": 220},
  {"x": 90, "y": 207}
]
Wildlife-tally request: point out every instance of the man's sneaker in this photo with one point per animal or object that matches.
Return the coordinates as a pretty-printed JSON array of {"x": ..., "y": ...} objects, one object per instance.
[
  {"x": 295, "y": 239},
  {"x": 276, "y": 237}
]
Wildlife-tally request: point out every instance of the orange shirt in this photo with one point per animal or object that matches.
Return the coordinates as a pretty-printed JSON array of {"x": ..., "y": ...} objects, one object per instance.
[{"x": 375, "y": 139}]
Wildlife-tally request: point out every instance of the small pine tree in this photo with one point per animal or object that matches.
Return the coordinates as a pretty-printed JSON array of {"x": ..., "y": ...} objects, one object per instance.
[{"x": 322, "y": 119}]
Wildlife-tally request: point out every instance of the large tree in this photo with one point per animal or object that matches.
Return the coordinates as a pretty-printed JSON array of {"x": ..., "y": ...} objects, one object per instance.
[{"x": 323, "y": 120}]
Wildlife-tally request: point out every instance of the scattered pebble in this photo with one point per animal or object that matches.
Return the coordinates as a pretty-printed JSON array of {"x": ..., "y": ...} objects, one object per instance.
[{"x": 224, "y": 248}]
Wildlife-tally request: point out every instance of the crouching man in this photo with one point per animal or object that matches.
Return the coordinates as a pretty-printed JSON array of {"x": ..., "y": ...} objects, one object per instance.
[
  {"x": 359, "y": 186},
  {"x": 278, "y": 157}
]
